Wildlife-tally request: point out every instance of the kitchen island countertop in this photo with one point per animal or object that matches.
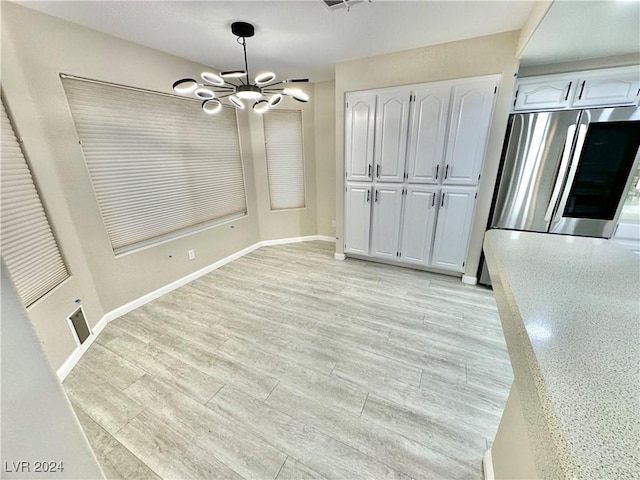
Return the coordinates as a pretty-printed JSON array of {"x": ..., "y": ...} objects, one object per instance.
[{"x": 570, "y": 310}]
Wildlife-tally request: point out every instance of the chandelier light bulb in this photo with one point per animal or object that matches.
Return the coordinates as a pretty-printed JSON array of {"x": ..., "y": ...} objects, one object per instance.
[
  {"x": 211, "y": 107},
  {"x": 212, "y": 78},
  {"x": 236, "y": 102},
  {"x": 261, "y": 106},
  {"x": 204, "y": 93},
  {"x": 264, "y": 78},
  {"x": 297, "y": 94},
  {"x": 185, "y": 86},
  {"x": 275, "y": 100},
  {"x": 233, "y": 74}
]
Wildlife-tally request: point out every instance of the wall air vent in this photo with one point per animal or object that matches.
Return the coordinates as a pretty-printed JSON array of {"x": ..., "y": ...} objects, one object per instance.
[
  {"x": 341, "y": 4},
  {"x": 79, "y": 326}
]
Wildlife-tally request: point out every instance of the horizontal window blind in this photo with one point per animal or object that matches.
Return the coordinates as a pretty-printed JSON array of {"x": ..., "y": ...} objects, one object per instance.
[
  {"x": 285, "y": 158},
  {"x": 28, "y": 246},
  {"x": 160, "y": 167}
]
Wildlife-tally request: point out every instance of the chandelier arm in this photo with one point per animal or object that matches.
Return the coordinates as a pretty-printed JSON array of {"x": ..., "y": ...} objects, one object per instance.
[
  {"x": 246, "y": 65},
  {"x": 225, "y": 96},
  {"x": 221, "y": 88},
  {"x": 269, "y": 90}
]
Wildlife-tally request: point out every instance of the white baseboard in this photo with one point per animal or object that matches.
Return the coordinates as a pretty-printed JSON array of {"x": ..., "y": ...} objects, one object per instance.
[
  {"x": 77, "y": 354},
  {"x": 487, "y": 466},
  {"x": 339, "y": 256},
  {"x": 70, "y": 362},
  {"x": 469, "y": 280},
  {"x": 282, "y": 241}
]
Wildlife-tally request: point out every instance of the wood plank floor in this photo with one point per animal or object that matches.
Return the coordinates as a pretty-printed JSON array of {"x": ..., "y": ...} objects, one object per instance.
[{"x": 288, "y": 364}]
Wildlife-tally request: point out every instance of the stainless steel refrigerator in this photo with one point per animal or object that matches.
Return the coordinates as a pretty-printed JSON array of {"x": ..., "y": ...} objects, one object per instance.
[{"x": 565, "y": 172}]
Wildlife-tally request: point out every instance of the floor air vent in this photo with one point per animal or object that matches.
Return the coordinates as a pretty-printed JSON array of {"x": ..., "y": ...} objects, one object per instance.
[{"x": 79, "y": 326}]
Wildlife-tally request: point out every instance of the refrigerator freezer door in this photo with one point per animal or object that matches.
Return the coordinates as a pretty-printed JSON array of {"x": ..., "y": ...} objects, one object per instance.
[
  {"x": 604, "y": 156},
  {"x": 538, "y": 149}
]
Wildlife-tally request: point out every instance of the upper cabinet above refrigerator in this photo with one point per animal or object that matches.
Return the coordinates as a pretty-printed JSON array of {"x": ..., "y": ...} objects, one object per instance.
[{"x": 596, "y": 88}]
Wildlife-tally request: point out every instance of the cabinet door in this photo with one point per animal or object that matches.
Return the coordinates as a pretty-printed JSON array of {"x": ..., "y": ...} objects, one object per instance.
[
  {"x": 392, "y": 118},
  {"x": 621, "y": 90},
  {"x": 358, "y": 140},
  {"x": 471, "y": 113},
  {"x": 418, "y": 222},
  {"x": 540, "y": 94},
  {"x": 357, "y": 219},
  {"x": 387, "y": 207},
  {"x": 427, "y": 130},
  {"x": 453, "y": 227}
]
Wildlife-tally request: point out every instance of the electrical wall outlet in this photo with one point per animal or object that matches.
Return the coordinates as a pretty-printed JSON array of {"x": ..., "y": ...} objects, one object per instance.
[
  {"x": 192, "y": 254},
  {"x": 333, "y": 223}
]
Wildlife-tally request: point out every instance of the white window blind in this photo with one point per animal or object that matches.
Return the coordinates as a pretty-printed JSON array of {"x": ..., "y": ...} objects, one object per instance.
[
  {"x": 285, "y": 158},
  {"x": 28, "y": 246},
  {"x": 160, "y": 167}
]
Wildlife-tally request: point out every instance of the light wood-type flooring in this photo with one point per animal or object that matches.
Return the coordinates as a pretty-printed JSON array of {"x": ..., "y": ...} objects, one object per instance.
[{"x": 289, "y": 364}]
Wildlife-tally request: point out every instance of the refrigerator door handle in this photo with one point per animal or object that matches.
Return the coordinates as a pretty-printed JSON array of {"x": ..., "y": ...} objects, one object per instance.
[
  {"x": 582, "y": 134},
  {"x": 557, "y": 188}
]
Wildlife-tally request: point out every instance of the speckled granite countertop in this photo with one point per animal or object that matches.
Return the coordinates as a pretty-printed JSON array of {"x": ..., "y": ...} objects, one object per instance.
[{"x": 570, "y": 310}]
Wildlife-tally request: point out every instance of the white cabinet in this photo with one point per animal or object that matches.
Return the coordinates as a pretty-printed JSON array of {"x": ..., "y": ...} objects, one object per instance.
[
  {"x": 357, "y": 218},
  {"x": 472, "y": 108},
  {"x": 427, "y": 133},
  {"x": 607, "y": 90},
  {"x": 392, "y": 116},
  {"x": 413, "y": 158},
  {"x": 594, "y": 88},
  {"x": 359, "y": 136},
  {"x": 453, "y": 227},
  {"x": 387, "y": 208},
  {"x": 420, "y": 207},
  {"x": 543, "y": 94}
]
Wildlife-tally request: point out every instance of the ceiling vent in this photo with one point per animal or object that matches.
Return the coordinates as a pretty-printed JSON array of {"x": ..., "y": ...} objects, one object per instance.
[{"x": 340, "y": 4}]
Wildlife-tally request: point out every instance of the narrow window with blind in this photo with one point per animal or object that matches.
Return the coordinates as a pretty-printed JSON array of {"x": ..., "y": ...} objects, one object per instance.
[
  {"x": 159, "y": 167},
  {"x": 28, "y": 246},
  {"x": 285, "y": 158}
]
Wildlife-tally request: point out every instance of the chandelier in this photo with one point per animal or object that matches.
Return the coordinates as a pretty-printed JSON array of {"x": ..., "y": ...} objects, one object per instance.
[{"x": 234, "y": 85}]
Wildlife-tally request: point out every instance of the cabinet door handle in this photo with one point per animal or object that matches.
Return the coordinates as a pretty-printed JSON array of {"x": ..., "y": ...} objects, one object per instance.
[
  {"x": 569, "y": 88},
  {"x": 378, "y": 170},
  {"x": 376, "y": 199},
  {"x": 446, "y": 171},
  {"x": 437, "y": 168},
  {"x": 433, "y": 200},
  {"x": 581, "y": 90},
  {"x": 368, "y": 195},
  {"x": 442, "y": 202},
  {"x": 369, "y": 171}
]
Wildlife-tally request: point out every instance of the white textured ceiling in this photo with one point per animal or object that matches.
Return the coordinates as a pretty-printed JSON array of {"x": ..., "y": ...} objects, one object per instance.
[
  {"x": 578, "y": 30},
  {"x": 293, "y": 38}
]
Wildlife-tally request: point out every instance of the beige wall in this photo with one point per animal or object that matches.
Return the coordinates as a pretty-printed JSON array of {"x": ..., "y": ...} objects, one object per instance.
[
  {"x": 36, "y": 48},
  {"x": 297, "y": 222},
  {"x": 36, "y": 416},
  {"x": 325, "y": 134},
  {"x": 493, "y": 54}
]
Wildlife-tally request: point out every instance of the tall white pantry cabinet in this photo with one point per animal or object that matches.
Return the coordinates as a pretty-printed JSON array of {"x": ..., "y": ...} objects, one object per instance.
[{"x": 413, "y": 158}]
